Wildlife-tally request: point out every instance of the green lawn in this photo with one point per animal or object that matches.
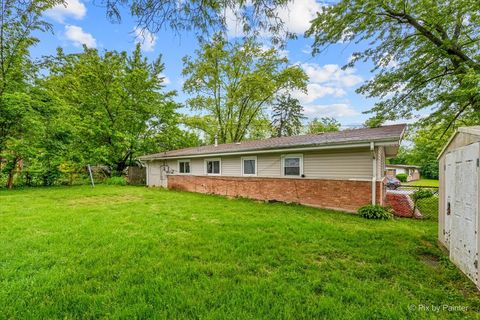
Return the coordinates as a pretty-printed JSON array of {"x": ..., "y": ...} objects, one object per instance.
[
  {"x": 133, "y": 252},
  {"x": 423, "y": 182}
]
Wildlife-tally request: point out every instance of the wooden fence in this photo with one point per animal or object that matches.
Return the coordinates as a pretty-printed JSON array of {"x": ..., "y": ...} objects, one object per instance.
[{"x": 137, "y": 175}]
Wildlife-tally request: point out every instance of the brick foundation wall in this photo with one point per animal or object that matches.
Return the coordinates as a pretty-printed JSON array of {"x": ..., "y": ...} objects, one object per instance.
[{"x": 344, "y": 195}]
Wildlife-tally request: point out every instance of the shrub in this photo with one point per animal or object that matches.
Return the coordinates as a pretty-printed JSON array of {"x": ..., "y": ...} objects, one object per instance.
[
  {"x": 371, "y": 211},
  {"x": 118, "y": 181},
  {"x": 422, "y": 194},
  {"x": 429, "y": 170},
  {"x": 402, "y": 177}
]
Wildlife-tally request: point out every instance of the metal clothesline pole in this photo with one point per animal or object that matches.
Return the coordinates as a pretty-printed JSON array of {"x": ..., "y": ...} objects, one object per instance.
[{"x": 91, "y": 175}]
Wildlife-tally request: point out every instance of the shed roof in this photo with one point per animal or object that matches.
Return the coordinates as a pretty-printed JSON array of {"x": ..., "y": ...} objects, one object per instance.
[
  {"x": 391, "y": 133},
  {"x": 472, "y": 130}
]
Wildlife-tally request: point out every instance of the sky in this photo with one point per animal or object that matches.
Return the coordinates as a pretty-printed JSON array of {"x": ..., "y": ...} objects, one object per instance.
[{"x": 331, "y": 90}]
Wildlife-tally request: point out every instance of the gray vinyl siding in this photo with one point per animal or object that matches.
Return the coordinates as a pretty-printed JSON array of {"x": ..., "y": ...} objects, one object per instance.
[
  {"x": 269, "y": 165},
  {"x": 332, "y": 164},
  {"x": 339, "y": 164},
  {"x": 231, "y": 166},
  {"x": 196, "y": 166}
]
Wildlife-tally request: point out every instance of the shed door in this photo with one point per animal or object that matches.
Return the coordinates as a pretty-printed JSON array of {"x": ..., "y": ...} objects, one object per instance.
[
  {"x": 449, "y": 194},
  {"x": 462, "y": 192}
]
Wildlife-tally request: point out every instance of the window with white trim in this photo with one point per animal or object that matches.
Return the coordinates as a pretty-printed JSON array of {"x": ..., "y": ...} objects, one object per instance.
[
  {"x": 212, "y": 166},
  {"x": 249, "y": 166},
  {"x": 292, "y": 165},
  {"x": 184, "y": 166}
]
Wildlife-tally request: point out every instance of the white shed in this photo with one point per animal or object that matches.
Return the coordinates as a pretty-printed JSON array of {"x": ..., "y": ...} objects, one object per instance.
[{"x": 459, "y": 200}]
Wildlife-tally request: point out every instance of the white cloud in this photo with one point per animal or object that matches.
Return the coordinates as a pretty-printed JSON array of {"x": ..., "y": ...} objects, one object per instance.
[
  {"x": 234, "y": 23},
  {"x": 316, "y": 91},
  {"x": 331, "y": 73},
  {"x": 336, "y": 110},
  {"x": 298, "y": 14},
  {"x": 79, "y": 37},
  {"x": 70, "y": 9},
  {"x": 146, "y": 39},
  {"x": 326, "y": 80}
]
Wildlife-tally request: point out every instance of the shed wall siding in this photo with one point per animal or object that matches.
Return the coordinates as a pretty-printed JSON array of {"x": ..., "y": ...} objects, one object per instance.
[
  {"x": 339, "y": 164},
  {"x": 459, "y": 140}
]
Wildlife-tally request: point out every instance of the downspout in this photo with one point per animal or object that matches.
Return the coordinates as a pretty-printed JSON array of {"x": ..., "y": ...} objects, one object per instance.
[{"x": 374, "y": 173}]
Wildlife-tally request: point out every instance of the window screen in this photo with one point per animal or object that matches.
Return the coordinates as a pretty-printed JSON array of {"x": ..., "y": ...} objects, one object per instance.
[
  {"x": 249, "y": 166},
  {"x": 184, "y": 167},
  {"x": 213, "y": 167},
  {"x": 291, "y": 166}
]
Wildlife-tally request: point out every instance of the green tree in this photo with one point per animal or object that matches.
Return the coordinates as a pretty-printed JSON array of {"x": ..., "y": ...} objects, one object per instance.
[
  {"x": 254, "y": 17},
  {"x": 425, "y": 53},
  {"x": 117, "y": 105},
  {"x": 287, "y": 116},
  {"x": 374, "y": 122},
  {"x": 422, "y": 147},
  {"x": 325, "y": 124},
  {"x": 232, "y": 83},
  {"x": 19, "y": 121}
]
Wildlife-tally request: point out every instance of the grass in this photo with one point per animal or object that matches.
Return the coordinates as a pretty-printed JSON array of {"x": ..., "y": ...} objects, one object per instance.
[
  {"x": 423, "y": 182},
  {"x": 133, "y": 252}
]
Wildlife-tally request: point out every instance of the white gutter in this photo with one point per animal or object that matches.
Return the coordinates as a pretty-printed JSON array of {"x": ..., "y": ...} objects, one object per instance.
[
  {"x": 219, "y": 154},
  {"x": 374, "y": 173}
]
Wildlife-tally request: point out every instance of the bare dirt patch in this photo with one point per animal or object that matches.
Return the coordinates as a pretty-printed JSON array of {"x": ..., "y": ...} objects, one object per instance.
[{"x": 430, "y": 260}]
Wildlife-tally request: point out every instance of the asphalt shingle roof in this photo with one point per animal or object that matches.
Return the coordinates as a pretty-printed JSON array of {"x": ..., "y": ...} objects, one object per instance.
[{"x": 383, "y": 133}]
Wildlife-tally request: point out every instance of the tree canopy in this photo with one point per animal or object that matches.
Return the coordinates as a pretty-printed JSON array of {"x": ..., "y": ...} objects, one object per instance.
[
  {"x": 426, "y": 54},
  {"x": 116, "y": 104},
  {"x": 21, "y": 123},
  {"x": 255, "y": 17},
  {"x": 325, "y": 124},
  {"x": 287, "y": 116},
  {"x": 232, "y": 83}
]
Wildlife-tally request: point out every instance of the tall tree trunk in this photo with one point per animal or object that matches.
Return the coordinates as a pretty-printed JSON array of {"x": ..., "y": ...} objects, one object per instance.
[{"x": 11, "y": 173}]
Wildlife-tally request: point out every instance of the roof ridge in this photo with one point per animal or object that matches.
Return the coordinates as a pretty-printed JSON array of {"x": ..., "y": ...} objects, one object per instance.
[{"x": 306, "y": 135}]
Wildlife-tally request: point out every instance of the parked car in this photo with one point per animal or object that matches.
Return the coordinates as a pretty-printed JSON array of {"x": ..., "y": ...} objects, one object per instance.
[{"x": 392, "y": 183}]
